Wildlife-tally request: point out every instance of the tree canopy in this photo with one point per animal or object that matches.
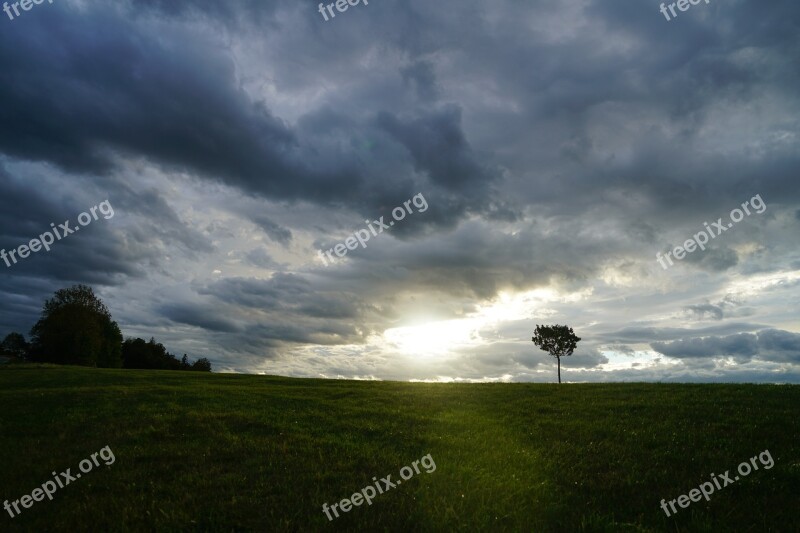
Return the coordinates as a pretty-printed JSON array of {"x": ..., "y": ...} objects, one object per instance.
[
  {"x": 14, "y": 345},
  {"x": 76, "y": 328},
  {"x": 558, "y": 341}
]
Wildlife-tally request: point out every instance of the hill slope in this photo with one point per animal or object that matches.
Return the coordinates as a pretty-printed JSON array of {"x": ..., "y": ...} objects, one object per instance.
[{"x": 231, "y": 452}]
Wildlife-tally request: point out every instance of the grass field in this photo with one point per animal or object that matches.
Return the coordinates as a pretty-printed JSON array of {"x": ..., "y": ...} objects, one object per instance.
[{"x": 199, "y": 451}]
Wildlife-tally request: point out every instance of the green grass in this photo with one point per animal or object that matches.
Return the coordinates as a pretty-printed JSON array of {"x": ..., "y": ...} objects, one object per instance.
[{"x": 231, "y": 452}]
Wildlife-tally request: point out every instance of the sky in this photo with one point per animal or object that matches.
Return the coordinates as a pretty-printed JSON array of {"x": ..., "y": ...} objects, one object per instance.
[{"x": 549, "y": 154}]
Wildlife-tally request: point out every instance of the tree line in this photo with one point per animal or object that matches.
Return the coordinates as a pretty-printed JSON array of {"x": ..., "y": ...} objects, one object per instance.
[{"x": 76, "y": 328}]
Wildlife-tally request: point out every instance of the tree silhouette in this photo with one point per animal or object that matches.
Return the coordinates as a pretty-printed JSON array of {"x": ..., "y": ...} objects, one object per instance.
[
  {"x": 202, "y": 365},
  {"x": 141, "y": 354},
  {"x": 138, "y": 353},
  {"x": 14, "y": 345},
  {"x": 557, "y": 340},
  {"x": 76, "y": 328}
]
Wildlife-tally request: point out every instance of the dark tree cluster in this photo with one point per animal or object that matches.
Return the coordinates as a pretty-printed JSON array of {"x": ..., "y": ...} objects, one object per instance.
[
  {"x": 14, "y": 346},
  {"x": 76, "y": 329},
  {"x": 138, "y": 353}
]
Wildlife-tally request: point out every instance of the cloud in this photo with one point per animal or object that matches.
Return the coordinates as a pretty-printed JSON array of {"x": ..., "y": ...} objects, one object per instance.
[
  {"x": 768, "y": 345},
  {"x": 205, "y": 317},
  {"x": 559, "y": 147},
  {"x": 275, "y": 231},
  {"x": 421, "y": 75},
  {"x": 634, "y": 334},
  {"x": 701, "y": 311}
]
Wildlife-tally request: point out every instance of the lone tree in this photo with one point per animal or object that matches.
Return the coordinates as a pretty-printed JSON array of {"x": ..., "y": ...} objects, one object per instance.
[
  {"x": 76, "y": 329},
  {"x": 556, "y": 340}
]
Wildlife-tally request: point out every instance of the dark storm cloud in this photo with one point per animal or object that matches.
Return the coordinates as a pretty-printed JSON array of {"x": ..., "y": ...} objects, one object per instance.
[
  {"x": 262, "y": 316},
  {"x": 768, "y": 345},
  {"x": 107, "y": 252},
  {"x": 422, "y": 76},
  {"x": 559, "y": 145},
  {"x": 713, "y": 259},
  {"x": 779, "y": 345},
  {"x": 673, "y": 89},
  {"x": 157, "y": 221},
  {"x": 439, "y": 149},
  {"x": 275, "y": 231},
  {"x": 100, "y": 253},
  {"x": 29, "y": 211},
  {"x": 261, "y": 258},
  {"x": 238, "y": 11},
  {"x": 727, "y": 307},
  {"x": 742, "y": 345},
  {"x": 584, "y": 359},
  {"x": 205, "y": 317},
  {"x": 268, "y": 294},
  {"x": 176, "y": 102},
  {"x": 647, "y": 334},
  {"x": 477, "y": 260},
  {"x": 287, "y": 294},
  {"x": 326, "y": 333},
  {"x": 90, "y": 256},
  {"x": 242, "y": 142},
  {"x": 23, "y": 299},
  {"x": 265, "y": 333},
  {"x": 172, "y": 100}
]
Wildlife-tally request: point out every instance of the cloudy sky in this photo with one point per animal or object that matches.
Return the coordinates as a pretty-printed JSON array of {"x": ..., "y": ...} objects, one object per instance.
[{"x": 559, "y": 146}]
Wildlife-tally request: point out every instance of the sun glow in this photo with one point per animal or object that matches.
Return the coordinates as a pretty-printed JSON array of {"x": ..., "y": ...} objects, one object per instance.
[
  {"x": 434, "y": 338},
  {"x": 449, "y": 336}
]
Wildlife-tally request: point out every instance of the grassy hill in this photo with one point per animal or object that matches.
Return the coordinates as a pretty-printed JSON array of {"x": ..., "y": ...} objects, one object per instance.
[{"x": 232, "y": 452}]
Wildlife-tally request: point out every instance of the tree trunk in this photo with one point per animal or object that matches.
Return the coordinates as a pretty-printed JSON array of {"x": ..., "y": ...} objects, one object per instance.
[{"x": 559, "y": 369}]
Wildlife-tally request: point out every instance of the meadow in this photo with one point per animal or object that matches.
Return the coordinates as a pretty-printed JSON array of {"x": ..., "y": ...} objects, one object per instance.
[{"x": 221, "y": 452}]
